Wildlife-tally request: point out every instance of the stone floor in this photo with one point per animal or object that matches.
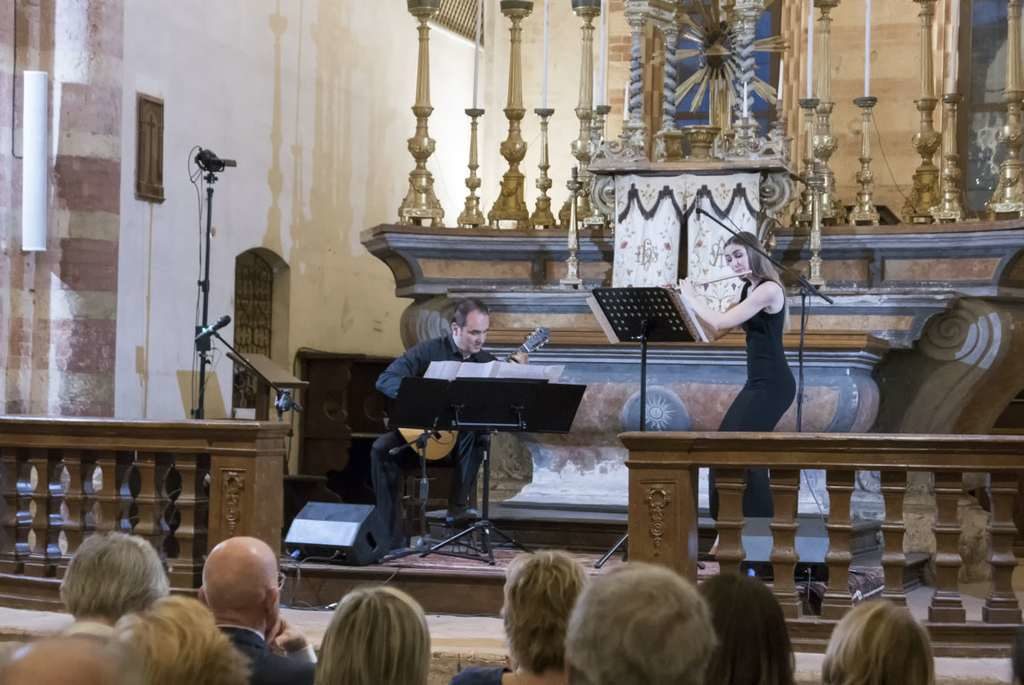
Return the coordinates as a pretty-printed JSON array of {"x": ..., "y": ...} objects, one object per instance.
[{"x": 460, "y": 641}]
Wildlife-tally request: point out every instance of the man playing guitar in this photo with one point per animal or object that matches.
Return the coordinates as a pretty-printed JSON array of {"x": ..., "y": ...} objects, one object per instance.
[{"x": 464, "y": 343}]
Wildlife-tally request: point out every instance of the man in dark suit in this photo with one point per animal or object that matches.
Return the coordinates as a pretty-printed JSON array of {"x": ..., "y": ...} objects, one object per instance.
[
  {"x": 463, "y": 342},
  {"x": 241, "y": 586}
]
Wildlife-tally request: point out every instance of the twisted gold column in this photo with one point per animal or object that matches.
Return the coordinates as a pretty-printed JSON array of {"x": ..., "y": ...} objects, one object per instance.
[
  {"x": 1008, "y": 198},
  {"x": 951, "y": 207},
  {"x": 510, "y": 207},
  {"x": 925, "y": 192},
  {"x": 421, "y": 204}
]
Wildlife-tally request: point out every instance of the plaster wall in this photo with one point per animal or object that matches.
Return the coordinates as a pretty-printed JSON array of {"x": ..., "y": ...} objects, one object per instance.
[{"x": 313, "y": 100}]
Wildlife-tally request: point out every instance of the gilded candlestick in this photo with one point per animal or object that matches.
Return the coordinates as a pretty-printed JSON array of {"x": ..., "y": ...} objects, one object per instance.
[
  {"x": 421, "y": 204},
  {"x": 925, "y": 191},
  {"x": 510, "y": 207},
  {"x": 1008, "y": 198},
  {"x": 572, "y": 263},
  {"x": 583, "y": 146},
  {"x": 817, "y": 186},
  {"x": 471, "y": 216},
  {"x": 803, "y": 215},
  {"x": 951, "y": 208},
  {"x": 864, "y": 212},
  {"x": 542, "y": 216},
  {"x": 825, "y": 142}
]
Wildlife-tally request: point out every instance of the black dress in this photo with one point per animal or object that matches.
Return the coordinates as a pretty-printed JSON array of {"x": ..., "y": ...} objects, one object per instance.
[{"x": 769, "y": 391}]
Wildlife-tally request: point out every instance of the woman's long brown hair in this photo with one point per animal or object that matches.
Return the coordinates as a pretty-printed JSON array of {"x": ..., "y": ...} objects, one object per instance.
[{"x": 760, "y": 267}]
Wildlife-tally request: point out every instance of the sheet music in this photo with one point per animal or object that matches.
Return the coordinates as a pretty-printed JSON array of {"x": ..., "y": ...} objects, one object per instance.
[{"x": 449, "y": 370}]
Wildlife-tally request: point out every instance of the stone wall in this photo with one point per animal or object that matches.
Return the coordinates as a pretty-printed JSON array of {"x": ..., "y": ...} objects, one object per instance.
[{"x": 57, "y": 308}]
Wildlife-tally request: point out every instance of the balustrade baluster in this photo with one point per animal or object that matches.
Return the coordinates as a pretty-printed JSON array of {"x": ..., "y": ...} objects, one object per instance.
[
  {"x": 113, "y": 467},
  {"x": 730, "y": 484},
  {"x": 47, "y": 497},
  {"x": 947, "y": 606},
  {"x": 17, "y": 519},
  {"x": 74, "y": 499},
  {"x": 837, "y": 597},
  {"x": 785, "y": 484},
  {"x": 151, "y": 499},
  {"x": 894, "y": 560},
  {"x": 188, "y": 539},
  {"x": 1001, "y": 605}
]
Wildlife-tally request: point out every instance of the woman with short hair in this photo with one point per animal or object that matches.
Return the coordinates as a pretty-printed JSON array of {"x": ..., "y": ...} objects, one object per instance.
[
  {"x": 378, "y": 636},
  {"x": 878, "y": 643},
  {"x": 540, "y": 591}
]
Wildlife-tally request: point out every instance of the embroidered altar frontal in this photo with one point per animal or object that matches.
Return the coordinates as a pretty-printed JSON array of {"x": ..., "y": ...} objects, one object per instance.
[{"x": 655, "y": 215}]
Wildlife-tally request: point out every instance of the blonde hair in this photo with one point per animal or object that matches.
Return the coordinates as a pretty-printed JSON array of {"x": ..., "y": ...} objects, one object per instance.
[
  {"x": 878, "y": 643},
  {"x": 179, "y": 642},
  {"x": 540, "y": 592},
  {"x": 639, "y": 625},
  {"x": 378, "y": 636},
  {"x": 113, "y": 574}
]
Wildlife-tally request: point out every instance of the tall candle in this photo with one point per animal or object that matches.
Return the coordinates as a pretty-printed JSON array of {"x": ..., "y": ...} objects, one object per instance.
[
  {"x": 810, "y": 48},
  {"x": 782, "y": 76},
  {"x": 600, "y": 96},
  {"x": 953, "y": 54},
  {"x": 867, "y": 48},
  {"x": 476, "y": 50},
  {"x": 547, "y": 53},
  {"x": 746, "y": 106}
]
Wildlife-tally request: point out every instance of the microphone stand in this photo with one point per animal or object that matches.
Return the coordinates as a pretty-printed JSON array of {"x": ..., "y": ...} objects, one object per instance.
[
  {"x": 284, "y": 400},
  {"x": 807, "y": 289},
  {"x": 203, "y": 346}
]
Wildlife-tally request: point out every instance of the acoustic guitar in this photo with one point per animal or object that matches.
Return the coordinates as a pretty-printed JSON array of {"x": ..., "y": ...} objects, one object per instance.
[{"x": 440, "y": 443}]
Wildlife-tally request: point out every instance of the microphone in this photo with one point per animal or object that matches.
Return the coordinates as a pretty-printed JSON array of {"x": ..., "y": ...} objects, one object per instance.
[
  {"x": 209, "y": 161},
  {"x": 213, "y": 328}
]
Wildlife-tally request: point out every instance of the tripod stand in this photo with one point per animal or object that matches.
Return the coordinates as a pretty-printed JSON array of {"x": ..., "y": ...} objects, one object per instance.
[{"x": 488, "y": 406}]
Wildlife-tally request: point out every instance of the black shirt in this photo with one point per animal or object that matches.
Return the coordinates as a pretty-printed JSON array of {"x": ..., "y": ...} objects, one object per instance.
[
  {"x": 417, "y": 358},
  {"x": 267, "y": 668}
]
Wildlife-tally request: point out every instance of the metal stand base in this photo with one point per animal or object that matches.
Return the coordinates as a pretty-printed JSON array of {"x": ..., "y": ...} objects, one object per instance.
[{"x": 484, "y": 525}]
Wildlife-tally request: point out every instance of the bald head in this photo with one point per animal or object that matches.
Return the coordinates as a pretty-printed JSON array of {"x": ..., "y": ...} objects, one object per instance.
[
  {"x": 240, "y": 583},
  {"x": 71, "y": 661}
]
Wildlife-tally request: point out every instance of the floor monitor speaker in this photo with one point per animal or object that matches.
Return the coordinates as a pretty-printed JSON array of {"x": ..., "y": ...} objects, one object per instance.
[{"x": 347, "y": 534}]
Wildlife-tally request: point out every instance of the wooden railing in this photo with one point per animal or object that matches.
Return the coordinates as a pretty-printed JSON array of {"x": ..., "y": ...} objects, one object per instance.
[
  {"x": 663, "y": 517},
  {"x": 184, "y": 486}
]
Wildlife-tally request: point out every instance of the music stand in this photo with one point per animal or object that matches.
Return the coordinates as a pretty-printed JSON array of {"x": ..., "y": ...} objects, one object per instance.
[
  {"x": 638, "y": 315},
  {"x": 492, "y": 405}
]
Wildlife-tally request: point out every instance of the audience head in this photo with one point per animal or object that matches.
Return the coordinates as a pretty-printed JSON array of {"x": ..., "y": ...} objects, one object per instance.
[
  {"x": 240, "y": 584},
  {"x": 378, "y": 636},
  {"x": 71, "y": 661},
  {"x": 878, "y": 643},
  {"x": 753, "y": 641},
  {"x": 178, "y": 642},
  {"x": 112, "y": 574},
  {"x": 639, "y": 625},
  {"x": 540, "y": 591}
]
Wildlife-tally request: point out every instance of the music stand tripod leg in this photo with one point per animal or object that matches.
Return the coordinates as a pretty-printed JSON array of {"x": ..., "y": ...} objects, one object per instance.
[{"x": 484, "y": 526}]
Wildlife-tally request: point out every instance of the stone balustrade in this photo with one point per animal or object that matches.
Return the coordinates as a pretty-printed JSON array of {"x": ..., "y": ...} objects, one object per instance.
[
  {"x": 663, "y": 518},
  {"x": 184, "y": 486}
]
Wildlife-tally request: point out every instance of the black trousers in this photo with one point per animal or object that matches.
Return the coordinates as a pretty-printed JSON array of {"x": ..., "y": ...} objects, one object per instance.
[{"x": 386, "y": 472}]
